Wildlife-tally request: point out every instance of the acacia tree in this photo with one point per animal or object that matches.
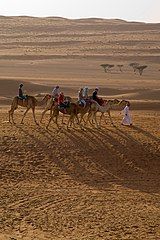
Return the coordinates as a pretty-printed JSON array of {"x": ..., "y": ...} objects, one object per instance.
[
  {"x": 134, "y": 65},
  {"x": 120, "y": 67},
  {"x": 107, "y": 67},
  {"x": 141, "y": 68}
]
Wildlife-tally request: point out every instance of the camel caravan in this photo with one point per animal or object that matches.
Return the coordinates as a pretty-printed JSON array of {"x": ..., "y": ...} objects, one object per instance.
[{"x": 83, "y": 110}]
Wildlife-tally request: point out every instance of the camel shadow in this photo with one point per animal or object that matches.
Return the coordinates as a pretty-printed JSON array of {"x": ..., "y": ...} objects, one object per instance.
[
  {"x": 95, "y": 157},
  {"x": 132, "y": 164},
  {"x": 125, "y": 161}
]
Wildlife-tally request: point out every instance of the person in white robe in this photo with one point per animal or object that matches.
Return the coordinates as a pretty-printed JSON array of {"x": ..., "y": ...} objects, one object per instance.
[{"x": 127, "y": 117}]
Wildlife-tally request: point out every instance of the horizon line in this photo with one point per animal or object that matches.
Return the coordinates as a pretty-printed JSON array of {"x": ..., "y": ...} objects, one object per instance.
[{"x": 82, "y": 18}]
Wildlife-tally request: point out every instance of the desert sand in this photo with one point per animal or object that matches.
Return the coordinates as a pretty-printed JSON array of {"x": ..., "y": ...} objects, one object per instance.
[{"x": 73, "y": 184}]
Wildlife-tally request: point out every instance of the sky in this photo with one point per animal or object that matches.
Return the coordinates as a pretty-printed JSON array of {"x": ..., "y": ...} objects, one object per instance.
[{"x": 131, "y": 10}]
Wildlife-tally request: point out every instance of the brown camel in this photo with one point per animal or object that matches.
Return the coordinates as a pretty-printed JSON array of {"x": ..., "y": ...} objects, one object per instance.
[
  {"x": 82, "y": 110},
  {"x": 71, "y": 110},
  {"x": 50, "y": 105},
  {"x": 30, "y": 103}
]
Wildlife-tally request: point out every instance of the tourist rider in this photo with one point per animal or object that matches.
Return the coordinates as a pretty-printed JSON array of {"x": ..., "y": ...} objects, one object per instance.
[
  {"x": 20, "y": 92},
  {"x": 81, "y": 100},
  {"x": 96, "y": 98},
  {"x": 55, "y": 93},
  {"x": 85, "y": 93},
  {"x": 61, "y": 102}
]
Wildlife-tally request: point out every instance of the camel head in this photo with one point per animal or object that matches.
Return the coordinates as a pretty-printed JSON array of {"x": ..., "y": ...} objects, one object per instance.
[
  {"x": 47, "y": 96},
  {"x": 115, "y": 101},
  {"x": 123, "y": 103}
]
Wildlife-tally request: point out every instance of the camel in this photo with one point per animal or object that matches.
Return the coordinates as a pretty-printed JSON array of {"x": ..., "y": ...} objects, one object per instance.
[
  {"x": 106, "y": 107},
  {"x": 95, "y": 107},
  {"x": 30, "y": 103},
  {"x": 83, "y": 110},
  {"x": 72, "y": 111},
  {"x": 50, "y": 105},
  {"x": 90, "y": 105},
  {"x": 80, "y": 111},
  {"x": 114, "y": 105}
]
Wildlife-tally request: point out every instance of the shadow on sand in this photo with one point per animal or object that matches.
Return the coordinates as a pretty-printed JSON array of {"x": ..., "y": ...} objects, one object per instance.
[{"x": 96, "y": 157}]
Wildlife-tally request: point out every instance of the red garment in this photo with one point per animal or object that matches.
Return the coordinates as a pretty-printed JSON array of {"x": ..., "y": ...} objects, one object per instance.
[{"x": 60, "y": 99}]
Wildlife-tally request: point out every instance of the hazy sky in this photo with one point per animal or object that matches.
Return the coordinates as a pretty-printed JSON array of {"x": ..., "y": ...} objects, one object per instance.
[{"x": 134, "y": 10}]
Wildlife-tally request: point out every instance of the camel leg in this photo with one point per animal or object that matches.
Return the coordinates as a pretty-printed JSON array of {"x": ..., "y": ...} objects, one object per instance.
[
  {"x": 95, "y": 119},
  {"x": 109, "y": 114},
  {"x": 51, "y": 118},
  {"x": 63, "y": 119},
  {"x": 56, "y": 114},
  {"x": 70, "y": 121},
  {"x": 79, "y": 123},
  {"x": 12, "y": 116},
  {"x": 24, "y": 115},
  {"x": 43, "y": 113},
  {"x": 49, "y": 107},
  {"x": 69, "y": 124},
  {"x": 82, "y": 119},
  {"x": 91, "y": 116},
  {"x": 73, "y": 120},
  {"x": 88, "y": 118},
  {"x": 11, "y": 112},
  {"x": 102, "y": 115},
  {"x": 14, "y": 106},
  {"x": 33, "y": 110}
]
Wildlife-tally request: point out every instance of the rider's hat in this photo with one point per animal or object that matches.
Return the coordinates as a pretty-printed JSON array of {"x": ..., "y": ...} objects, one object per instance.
[{"x": 21, "y": 85}]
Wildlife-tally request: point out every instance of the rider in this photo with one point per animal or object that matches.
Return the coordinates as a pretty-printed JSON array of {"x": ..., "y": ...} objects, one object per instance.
[
  {"x": 55, "y": 93},
  {"x": 81, "y": 100},
  {"x": 61, "y": 102},
  {"x": 96, "y": 98},
  {"x": 20, "y": 92},
  {"x": 85, "y": 93}
]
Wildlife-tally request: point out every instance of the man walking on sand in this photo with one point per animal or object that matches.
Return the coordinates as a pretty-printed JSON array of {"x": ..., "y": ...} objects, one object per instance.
[{"x": 127, "y": 121}]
